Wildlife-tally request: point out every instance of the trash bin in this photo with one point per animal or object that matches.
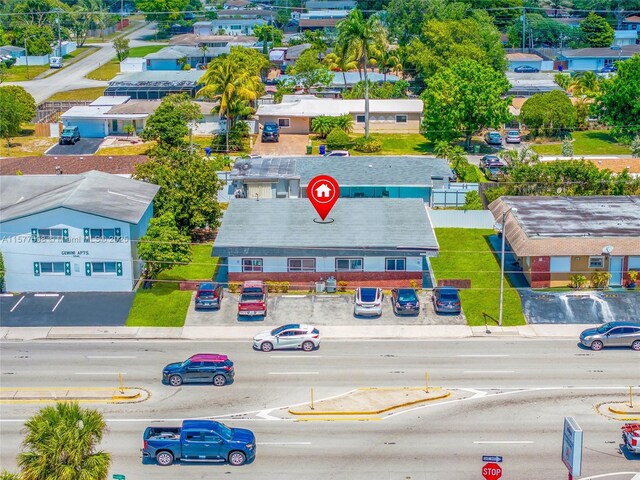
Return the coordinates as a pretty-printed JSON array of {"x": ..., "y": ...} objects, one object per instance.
[
  {"x": 559, "y": 68},
  {"x": 476, "y": 149},
  {"x": 207, "y": 150},
  {"x": 323, "y": 149},
  {"x": 331, "y": 285},
  {"x": 309, "y": 149},
  {"x": 320, "y": 288}
]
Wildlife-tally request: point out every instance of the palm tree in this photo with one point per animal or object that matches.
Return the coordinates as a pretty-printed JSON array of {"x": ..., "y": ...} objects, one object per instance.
[
  {"x": 204, "y": 50},
  {"x": 388, "y": 61},
  {"x": 338, "y": 61},
  {"x": 232, "y": 86},
  {"x": 585, "y": 84},
  {"x": 361, "y": 37},
  {"x": 60, "y": 443}
]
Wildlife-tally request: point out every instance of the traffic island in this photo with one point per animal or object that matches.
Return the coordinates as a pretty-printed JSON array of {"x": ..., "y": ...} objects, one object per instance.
[
  {"x": 98, "y": 395},
  {"x": 370, "y": 401},
  {"x": 624, "y": 412}
]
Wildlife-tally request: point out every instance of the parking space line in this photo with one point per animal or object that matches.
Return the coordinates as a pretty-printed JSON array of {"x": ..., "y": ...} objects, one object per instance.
[
  {"x": 14, "y": 307},
  {"x": 46, "y": 294},
  {"x": 6, "y": 294},
  {"x": 56, "y": 305}
]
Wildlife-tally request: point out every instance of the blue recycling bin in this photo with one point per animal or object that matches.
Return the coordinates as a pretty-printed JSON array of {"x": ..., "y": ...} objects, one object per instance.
[
  {"x": 207, "y": 150},
  {"x": 323, "y": 149},
  {"x": 559, "y": 68}
]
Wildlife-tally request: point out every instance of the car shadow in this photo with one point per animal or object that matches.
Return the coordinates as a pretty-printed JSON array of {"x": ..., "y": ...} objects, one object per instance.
[
  {"x": 252, "y": 318},
  {"x": 628, "y": 454}
]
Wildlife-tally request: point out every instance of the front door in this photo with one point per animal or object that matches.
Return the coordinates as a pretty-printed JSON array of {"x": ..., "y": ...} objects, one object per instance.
[
  {"x": 214, "y": 446},
  {"x": 193, "y": 372},
  {"x": 615, "y": 269},
  {"x": 193, "y": 446}
]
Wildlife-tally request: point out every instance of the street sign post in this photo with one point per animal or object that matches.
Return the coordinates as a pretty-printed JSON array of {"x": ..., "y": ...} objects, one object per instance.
[
  {"x": 492, "y": 458},
  {"x": 491, "y": 471},
  {"x": 572, "y": 447}
]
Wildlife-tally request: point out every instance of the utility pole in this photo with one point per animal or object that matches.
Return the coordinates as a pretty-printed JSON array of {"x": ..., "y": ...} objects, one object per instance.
[
  {"x": 59, "y": 36},
  {"x": 26, "y": 56},
  {"x": 524, "y": 11}
]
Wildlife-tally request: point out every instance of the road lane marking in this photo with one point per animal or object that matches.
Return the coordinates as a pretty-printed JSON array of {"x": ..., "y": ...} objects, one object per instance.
[
  {"x": 302, "y": 355},
  {"x": 605, "y": 475},
  {"x": 504, "y": 442},
  {"x": 488, "y": 371},
  {"x": 294, "y": 373},
  {"x": 100, "y": 373},
  {"x": 483, "y": 355},
  {"x": 111, "y": 356},
  {"x": 56, "y": 305},
  {"x": 14, "y": 307},
  {"x": 283, "y": 443},
  {"x": 46, "y": 295}
]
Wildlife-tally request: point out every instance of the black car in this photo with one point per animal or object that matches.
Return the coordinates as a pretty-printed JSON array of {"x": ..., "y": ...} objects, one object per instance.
[
  {"x": 608, "y": 69},
  {"x": 405, "y": 301},
  {"x": 270, "y": 132},
  {"x": 526, "y": 69},
  {"x": 489, "y": 160},
  {"x": 209, "y": 295},
  {"x": 446, "y": 300},
  {"x": 200, "y": 368}
]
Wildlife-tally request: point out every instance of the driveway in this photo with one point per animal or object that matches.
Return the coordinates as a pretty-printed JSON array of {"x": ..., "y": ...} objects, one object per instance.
[
  {"x": 86, "y": 146},
  {"x": 289, "y": 145},
  {"x": 329, "y": 309},
  {"x": 74, "y": 309}
]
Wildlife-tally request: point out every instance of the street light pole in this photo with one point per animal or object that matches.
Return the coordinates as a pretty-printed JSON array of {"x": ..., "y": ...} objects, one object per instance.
[
  {"x": 504, "y": 230},
  {"x": 26, "y": 56}
]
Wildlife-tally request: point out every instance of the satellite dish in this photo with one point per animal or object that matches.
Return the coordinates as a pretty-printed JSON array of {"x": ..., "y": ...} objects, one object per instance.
[{"x": 607, "y": 250}]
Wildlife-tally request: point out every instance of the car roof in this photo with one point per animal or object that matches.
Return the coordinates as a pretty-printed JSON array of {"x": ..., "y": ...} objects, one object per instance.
[
  {"x": 622, "y": 324},
  {"x": 208, "y": 286},
  {"x": 446, "y": 289},
  {"x": 298, "y": 326},
  {"x": 208, "y": 357},
  {"x": 200, "y": 424},
  {"x": 400, "y": 290}
]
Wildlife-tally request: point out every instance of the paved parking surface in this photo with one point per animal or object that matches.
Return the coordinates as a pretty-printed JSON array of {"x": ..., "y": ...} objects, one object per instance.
[
  {"x": 65, "y": 309},
  {"x": 86, "y": 146},
  {"x": 318, "y": 310},
  {"x": 288, "y": 145}
]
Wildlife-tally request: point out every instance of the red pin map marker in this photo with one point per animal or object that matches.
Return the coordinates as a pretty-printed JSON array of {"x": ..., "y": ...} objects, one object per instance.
[{"x": 323, "y": 192}]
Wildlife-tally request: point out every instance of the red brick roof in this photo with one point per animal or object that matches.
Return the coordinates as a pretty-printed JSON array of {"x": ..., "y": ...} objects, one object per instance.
[{"x": 72, "y": 164}]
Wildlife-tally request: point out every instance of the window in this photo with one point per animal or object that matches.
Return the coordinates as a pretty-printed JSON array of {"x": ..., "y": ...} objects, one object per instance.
[
  {"x": 236, "y": 27},
  {"x": 348, "y": 264},
  {"x": 359, "y": 118},
  {"x": 395, "y": 264},
  {"x": 251, "y": 264},
  {"x": 284, "y": 122},
  {"x": 50, "y": 233},
  {"x": 560, "y": 264},
  {"x": 596, "y": 262},
  {"x": 401, "y": 119},
  {"x": 98, "y": 234},
  {"x": 52, "y": 268},
  {"x": 103, "y": 267},
  {"x": 302, "y": 264}
]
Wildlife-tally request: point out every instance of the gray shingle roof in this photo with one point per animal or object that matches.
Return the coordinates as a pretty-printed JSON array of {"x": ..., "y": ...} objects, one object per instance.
[
  {"x": 348, "y": 171},
  {"x": 626, "y": 51},
  {"x": 362, "y": 226},
  {"x": 94, "y": 192}
]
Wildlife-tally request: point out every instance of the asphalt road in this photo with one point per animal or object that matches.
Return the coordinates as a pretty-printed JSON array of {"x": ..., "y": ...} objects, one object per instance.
[{"x": 509, "y": 398}]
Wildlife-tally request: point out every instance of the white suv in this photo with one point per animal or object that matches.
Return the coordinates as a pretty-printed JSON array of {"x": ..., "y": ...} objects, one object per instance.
[{"x": 295, "y": 335}]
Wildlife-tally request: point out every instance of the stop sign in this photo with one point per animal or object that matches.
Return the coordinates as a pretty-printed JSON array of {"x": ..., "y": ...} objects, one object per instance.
[{"x": 491, "y": 471}]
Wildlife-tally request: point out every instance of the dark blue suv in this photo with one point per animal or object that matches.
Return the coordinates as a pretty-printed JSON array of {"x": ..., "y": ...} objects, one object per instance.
[{"x": 200, "y": 368}]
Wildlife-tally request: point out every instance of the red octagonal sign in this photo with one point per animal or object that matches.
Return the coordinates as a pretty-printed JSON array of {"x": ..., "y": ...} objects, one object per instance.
[{"x": 491, "y": 471}]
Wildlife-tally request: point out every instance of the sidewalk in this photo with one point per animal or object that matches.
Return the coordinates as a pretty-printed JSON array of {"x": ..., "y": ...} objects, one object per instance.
[{"x": 247, "y": 331}]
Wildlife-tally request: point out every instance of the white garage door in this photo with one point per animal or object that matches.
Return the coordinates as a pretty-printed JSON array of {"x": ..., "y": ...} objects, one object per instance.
[{"x": 262, "y": 190}]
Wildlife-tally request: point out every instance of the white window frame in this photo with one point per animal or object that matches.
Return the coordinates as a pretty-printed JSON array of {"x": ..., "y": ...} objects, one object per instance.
[
  {"x": 115, "y": 268},
  {"x": 257, "y": 265},
  {"x": 596, "y": 261},
  {"x": 280, "y": 124},
  {"x": 53, "y": 272},
  {"x": 302, "y": 267},
  {"x": 395, "y": 260},
  {"x": 101, "y": 237},
  {"x": 350, "y": 266},
  {"x": 560, "y": 264},
  {"x": 405, "y": 116}
]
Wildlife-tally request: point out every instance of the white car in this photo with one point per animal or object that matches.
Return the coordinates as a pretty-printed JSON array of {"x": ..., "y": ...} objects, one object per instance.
[
  {"x": 368, "y": 301},
  {"x": 338, "y": 153},
  {"x": 292, "y": 336}
]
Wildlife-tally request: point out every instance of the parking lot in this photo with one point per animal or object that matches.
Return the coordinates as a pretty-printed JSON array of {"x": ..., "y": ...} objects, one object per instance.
[
  {"x": 65, "y": 309},
  {"x": 320, "y": 310},
  {"x": 86, "y": 146}
]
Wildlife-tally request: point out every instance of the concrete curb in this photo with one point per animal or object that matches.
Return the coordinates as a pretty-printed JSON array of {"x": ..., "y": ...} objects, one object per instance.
[
  {"x": 79, "y": 394},
  {"x": 370, "y": 412},
  {"x": 623, "y": 412}
]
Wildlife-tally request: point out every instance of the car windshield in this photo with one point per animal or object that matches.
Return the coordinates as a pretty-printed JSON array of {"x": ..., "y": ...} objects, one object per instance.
[
  {"x": 494, "y": 135},
  {"x": 514, "y": 134},
  {"x": 186, "y": 362},
  {"x": 605, "y": 328},
  {"x": 252, "y": 290},
  {"x": 407, "y": 296},
  {"x": 494, "y": 170},
  {"x": 368, "y": 294},
  {"x": 281, "y": 329},
  {"x": 224, "y": 431},
  {"x": 270, "y": 127},
  {"x": 448, "y": 296}
]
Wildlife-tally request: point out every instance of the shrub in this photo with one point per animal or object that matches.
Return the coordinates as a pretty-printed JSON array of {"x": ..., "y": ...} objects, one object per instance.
[
  {"x": 342, "y": 286},
  {"x": 186, "y": 66},
  {"x": 567, "y": 147},
  {"x": 234, "y": 287},
  {"x": 492, "y": 193},
  {"x": 414, "y": 284},
  {"x": 367, "y": 145},
  {"x": 338, "y": 139},
  {"x": 272, "y": 287},
  {"x": 284, "y": 287},
  {"x": 578, "y": 281},
  {"x": 472, "y": 201},
  {"x": 635, "y": 147},
  {"x": 324, "y": 125},
  {"x": 600, "y": 279},
  {"x": 238, "y": 138}
]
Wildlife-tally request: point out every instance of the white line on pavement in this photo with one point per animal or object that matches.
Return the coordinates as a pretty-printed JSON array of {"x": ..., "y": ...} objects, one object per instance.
[
  {"x": 283, "y": 443},
  {"x": 296, "y": 356},
  {"x": 56, "y": 305},
  {"x": 294, "y": 373},
  {"x": 488, "y": 371},
  {"x": 111, "y": 356},
  {"x": 505, "y": 442},
  {"x": 46, "y": 295},
  {"x": 6, "y": 294},
  {"x": 605, "y": 475},
  {"x": 101, "y": 373},
  {"x": 483, "y": 355},
  {"x": 14, "y": 307}
]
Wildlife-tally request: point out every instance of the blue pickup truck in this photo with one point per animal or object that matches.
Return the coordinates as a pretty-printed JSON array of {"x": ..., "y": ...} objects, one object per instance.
[{"x": 199, "y": 441}]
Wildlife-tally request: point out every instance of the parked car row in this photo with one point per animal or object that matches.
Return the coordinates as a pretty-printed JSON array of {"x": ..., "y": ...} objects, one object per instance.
[{"x": 493, "y": 137}]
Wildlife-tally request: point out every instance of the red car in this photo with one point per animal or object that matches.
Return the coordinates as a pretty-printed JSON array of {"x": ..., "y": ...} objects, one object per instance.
[{"x": 253, "y": 299}]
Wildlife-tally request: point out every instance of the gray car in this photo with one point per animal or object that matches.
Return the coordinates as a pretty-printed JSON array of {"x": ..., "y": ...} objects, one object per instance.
[
  {"x": 612, "y": 334},
  {"x": 368, "y": 301},
  {"x": 292, "y": 336}
]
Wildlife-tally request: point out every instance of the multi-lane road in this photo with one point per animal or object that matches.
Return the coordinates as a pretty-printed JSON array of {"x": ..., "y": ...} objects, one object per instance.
[{"x": 509, "y": 398}]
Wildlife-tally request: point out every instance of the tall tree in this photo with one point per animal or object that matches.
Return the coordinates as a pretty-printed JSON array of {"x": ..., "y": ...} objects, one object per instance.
[
  {"x": 17, "y": 106},
  {"x": 550, "y": 113},
  {"x": 189, "y": 187},
  {"x": 339, "y": 61},
  {"x": 268, "y": 34},
  {"x": 309, "y": 72},
  {"x": 388, "y": 60},
  {"x": 163, "y": 246},
  {"x": 597, "y": 31},
  {"x": 121, "y": 44},
  {"x": 61, "y": 442},
  {"x": 232, "y": 86},
  {"x": 464, "y": 99},
  {"x": 169, "y": 124},
  {"x": 360, "y": 36},
  {"x": 619, "y": 99},
  {"x": 164, "y": 12}
]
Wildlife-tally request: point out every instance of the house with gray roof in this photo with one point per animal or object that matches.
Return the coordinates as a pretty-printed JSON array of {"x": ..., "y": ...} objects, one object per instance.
[
  {"x": 73, "y": 233},
  {"x": 228, "y": 26},
  {"x": 154, "y": 85},
  {"x": 385, "y": 242},
  {"x": 358, "y": 177},
  {"x": 595, "y": 59}
]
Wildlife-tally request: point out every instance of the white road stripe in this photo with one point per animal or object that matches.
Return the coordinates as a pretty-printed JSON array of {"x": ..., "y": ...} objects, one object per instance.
[
  {"x": 6, "y": 294},
  {"x": 488, "y": 371},
  {"x": 505, "y": 442},
  {"x": 294, "y": 373},
  {"x": 14, "y": 307},
  {"x": 46, "y": 295},
  {"x": 111, "y": 356},
  {"x": 56, "y": 305},
  {"x": 483, "y": 355},
  {"x": 100, "y": 373},
  {"x": 302, "y": 355},
  {"x": 283, "y": 443}
]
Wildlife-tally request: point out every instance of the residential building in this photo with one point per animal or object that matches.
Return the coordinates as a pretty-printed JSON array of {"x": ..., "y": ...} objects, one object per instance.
[
  {"x": 155, "y": 84},
  {"x": 319, "y": 19},
  {"x": 12, "y": 51},
  {"x": 228, "y": 26},
  {"x": 631, "y": 23},
  {"x": 295, "y": 113},
  {"x": 213, "y": 41},
  {"x": 358, "y": 177},
  {"x": 330, "y": 5},
  {"x": 625, "y": 37},
  {"x": 73, "y": 233},
  {"x": 268, "y": 15},
  {"x": 594, "y": 59},
  {"x": 111, "y": 115},
  {"x": 385, "y": 242},
  {"x": 346, "y": 80},
  {"x": 516, "y": 60},
  {"x": 555, "y": 238}
]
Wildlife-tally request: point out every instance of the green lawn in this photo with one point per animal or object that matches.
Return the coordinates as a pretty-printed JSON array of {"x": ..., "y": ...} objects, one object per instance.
[
  {"x": 392, "y": 144},
  {"x": 589, "y": 142},
  {"x": 139, "y": 52},
  {"x": 106, "y": 71},
  {"x": 78, "y": 94},
  {"x": 165, "y": 305},
  {"x": 465, "y": 253},
  {"x": 19, "y": 74}
]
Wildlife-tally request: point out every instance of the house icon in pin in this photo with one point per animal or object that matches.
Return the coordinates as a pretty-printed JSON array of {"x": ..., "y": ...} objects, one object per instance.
[{"x": 323, "y": 191}]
